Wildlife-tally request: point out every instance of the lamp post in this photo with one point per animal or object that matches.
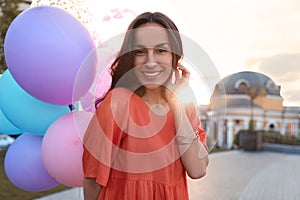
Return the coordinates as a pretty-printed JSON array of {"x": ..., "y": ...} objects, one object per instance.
[{"x": 252, "y": 94}]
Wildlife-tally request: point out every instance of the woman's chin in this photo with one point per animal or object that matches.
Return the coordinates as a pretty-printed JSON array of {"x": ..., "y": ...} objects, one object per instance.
[{"x": 151, "y": 86}]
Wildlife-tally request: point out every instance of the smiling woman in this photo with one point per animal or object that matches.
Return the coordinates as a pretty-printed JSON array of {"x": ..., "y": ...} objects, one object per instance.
[{"x": 143, "y": 138}]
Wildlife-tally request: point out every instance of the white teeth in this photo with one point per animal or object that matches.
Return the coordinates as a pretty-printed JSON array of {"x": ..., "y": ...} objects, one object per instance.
[{"x": 151, "y": 73}]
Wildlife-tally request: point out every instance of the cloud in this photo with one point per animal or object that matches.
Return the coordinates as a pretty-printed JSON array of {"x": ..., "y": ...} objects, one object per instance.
[{"x": 284, "y": 69}]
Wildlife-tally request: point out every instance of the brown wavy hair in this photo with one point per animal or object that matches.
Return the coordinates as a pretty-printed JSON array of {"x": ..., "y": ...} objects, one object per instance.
[{"x": 124, "y": 62}]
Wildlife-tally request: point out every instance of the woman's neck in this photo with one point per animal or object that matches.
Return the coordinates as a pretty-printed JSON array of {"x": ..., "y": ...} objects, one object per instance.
[
  {"x": 156, "y": 101},
  {"x": 154, "y": 96}
]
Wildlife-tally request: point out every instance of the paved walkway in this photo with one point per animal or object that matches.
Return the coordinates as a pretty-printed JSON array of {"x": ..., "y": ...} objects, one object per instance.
[
  {"x": 240, "y": 175},
  {"x": 237, "y": 175}
]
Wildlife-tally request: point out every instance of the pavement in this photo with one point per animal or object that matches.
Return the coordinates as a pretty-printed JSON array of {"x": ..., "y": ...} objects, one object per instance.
[{"x": 237, "y": 175}]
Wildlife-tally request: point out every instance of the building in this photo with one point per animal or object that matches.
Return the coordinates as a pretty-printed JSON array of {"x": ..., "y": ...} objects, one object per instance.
[{"x": 243, "y": 96}]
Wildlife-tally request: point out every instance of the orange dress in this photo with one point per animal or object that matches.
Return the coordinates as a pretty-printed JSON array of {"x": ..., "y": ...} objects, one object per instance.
[{"x": 131, "y": 151}]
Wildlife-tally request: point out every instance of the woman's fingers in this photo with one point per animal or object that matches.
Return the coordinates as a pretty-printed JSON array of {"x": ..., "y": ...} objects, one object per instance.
[
  {"x": 185, "y": 72},
  {"x": 177, "y": 75}
]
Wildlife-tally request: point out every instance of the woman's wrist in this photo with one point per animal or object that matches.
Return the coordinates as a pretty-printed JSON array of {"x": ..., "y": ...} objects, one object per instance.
[{"x": 189, "y": 138}]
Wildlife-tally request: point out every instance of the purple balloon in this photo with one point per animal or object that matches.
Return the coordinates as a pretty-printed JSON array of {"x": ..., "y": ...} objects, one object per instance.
[
  {"x": 45, "y": 48},
  {"x": 24, "y": 166}
]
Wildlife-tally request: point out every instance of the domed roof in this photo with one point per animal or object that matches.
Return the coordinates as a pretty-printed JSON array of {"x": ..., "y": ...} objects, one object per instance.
[{"x": 246, "y": 82}]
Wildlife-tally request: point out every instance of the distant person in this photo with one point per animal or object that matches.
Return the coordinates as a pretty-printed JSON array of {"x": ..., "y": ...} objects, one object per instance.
[{"x": 143, "y": 140}]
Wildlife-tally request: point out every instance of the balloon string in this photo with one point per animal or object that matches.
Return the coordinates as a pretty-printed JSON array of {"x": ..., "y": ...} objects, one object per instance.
[{"x": 71, "y": 107}]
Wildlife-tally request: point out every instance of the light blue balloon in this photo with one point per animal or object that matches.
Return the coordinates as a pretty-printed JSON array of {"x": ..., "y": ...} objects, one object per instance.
[
  {"x": 6, "y": 126},
  {"x": 25, "y": 111}
]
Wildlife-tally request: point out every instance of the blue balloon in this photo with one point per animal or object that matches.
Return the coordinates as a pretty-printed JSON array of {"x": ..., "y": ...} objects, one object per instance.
[
  {"x": 7, "y": 127},
  {"x": 25, "y": 111},
  {"x": 24, "y": 166}
]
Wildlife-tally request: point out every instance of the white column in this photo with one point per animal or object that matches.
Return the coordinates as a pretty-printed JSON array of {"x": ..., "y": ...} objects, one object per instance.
[
  {"x": 220, "y": 133},
  {"x": 246, "y": 124},
  {"x": 208, "y": 127},
  {"x": 283, "y": 127},
  {"x": 229, "y": 134},
  {"x": 259, "y": 125}
]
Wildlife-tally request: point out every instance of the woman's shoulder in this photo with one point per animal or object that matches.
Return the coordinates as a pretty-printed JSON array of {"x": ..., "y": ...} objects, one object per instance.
[
  {"x": 118, "y": 97},
  {"x": 121, "y": 91}
]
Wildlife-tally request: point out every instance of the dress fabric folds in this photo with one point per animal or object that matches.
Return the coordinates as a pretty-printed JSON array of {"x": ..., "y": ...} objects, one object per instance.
[{"x": 131, "y": 151}]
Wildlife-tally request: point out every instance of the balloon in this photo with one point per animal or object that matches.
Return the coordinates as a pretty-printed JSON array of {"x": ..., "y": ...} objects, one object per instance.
[
  {"x": 88, "y": 102},
  {"x": 24, "y": 166},
  {"x": 23, "y": 110},
  {"x": 62, "y": 148},
  {"x": 44, "y": 49},
  {"x": 102, "y": 81},
  {"x": 101, "y": 86},
  {"x": 7, "y": 127}
]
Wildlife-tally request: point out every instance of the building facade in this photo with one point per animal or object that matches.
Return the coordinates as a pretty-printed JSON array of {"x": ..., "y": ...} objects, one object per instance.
[{"x": 242, "y": 98}]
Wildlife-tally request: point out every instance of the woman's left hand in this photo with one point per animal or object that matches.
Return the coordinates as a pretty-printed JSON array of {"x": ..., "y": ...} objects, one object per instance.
[{"x": 175, "y": 87}]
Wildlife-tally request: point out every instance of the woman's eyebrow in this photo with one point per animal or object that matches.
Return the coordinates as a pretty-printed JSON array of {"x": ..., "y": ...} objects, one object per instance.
[
  {"x": 161, "y": 45},
  {"x": 140, "y": 46}
]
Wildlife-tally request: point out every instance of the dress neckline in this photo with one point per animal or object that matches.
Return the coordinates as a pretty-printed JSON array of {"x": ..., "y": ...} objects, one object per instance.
[{"x": 149, "y": 107}]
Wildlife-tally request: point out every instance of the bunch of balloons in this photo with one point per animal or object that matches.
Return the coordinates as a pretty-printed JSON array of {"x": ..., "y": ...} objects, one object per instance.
[
  {"x": 51, "y": 63},
  {"x": 57, "y": 68}
]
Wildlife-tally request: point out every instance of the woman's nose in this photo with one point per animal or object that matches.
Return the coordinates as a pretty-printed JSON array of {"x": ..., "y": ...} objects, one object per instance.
[{"x": 151, "y": 61}]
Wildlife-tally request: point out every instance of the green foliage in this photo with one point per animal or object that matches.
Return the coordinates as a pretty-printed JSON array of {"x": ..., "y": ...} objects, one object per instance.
[
  {"x": 277, "y": 138},
  {"x": 272, "y": 137},
  {"x": 9, "y": 10}
]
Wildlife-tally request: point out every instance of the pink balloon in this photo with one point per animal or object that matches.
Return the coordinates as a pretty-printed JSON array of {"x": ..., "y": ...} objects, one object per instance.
[
  {"x": 102, "y": 82},
  {"x": 88, "y": 102},
  {"x": 62, "y": 148},
  {"x": 102, "y": 85}
]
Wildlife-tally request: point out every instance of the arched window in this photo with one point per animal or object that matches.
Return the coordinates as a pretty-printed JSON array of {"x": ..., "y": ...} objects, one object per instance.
[
  {"x": 271, "y": 127},
  {"x": 242, "y": 85}
]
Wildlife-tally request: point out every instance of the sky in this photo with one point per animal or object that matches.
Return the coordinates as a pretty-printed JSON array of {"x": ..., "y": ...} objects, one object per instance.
[
  {"x": 238, "y": 35},
  {"x": 232, "y": 35}
]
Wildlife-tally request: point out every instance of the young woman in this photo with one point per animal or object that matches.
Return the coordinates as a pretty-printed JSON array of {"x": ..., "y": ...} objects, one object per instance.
[{"x": 143, "y": 140}]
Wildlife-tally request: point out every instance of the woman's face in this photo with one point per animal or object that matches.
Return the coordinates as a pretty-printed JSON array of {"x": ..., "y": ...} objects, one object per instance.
[{"x": 152, "y": 55}]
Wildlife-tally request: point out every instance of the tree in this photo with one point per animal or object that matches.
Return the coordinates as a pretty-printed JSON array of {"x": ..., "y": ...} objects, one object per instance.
[{"x": 9, "y": 10}]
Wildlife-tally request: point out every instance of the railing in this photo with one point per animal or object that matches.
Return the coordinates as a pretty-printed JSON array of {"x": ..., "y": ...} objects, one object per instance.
[{"x": 281, "y": 148}]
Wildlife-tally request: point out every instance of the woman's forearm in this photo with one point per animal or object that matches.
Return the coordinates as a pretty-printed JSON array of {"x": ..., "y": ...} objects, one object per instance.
[
  {"x": 194, "y": 158},
  {"x": 91, "y": 189},
  {"x": 194, "y": 154}
]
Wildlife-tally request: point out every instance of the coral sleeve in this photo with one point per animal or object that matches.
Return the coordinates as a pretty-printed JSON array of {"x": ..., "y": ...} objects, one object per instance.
[{"x": 101, "y": 142}]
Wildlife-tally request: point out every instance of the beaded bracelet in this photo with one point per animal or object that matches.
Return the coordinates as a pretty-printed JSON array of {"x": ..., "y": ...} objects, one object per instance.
[{"x": 187, "y": 139}]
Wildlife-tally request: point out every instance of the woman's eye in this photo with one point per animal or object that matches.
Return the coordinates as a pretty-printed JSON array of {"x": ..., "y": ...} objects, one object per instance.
[
  {"x": 139, "y": 52},
  {"x": 161, "y": 50}
]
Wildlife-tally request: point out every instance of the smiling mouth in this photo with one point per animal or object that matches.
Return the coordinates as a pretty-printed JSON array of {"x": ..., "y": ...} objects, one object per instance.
[{"x": 151, "y": 74}]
